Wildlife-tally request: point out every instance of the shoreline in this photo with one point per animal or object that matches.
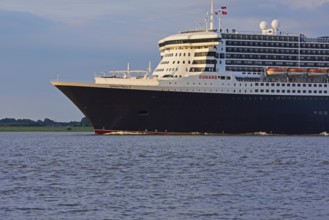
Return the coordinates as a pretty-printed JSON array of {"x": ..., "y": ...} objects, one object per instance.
[{"x": 45, "y": 129}]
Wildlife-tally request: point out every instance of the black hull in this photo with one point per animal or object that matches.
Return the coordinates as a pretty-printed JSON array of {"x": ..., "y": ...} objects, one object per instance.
[{"x": 112, "y": 110}]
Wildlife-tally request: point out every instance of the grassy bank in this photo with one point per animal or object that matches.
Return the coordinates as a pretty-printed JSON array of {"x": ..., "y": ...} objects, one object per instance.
[{"x": 46, "y": 129}]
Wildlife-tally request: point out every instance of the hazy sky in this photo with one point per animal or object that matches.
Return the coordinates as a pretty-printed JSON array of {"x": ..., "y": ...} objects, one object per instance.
[{"x": 72, "y": 39}]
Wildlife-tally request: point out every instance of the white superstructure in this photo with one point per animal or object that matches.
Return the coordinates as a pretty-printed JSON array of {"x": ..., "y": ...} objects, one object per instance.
[{"x": 227, "y": 61}]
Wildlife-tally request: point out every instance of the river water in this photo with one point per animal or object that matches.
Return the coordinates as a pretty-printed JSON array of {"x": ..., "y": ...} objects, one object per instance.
[{"x": 84, "y": 176}]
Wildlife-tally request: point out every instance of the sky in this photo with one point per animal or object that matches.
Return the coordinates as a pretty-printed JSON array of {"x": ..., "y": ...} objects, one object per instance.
[{"x": 70, "y": 40}]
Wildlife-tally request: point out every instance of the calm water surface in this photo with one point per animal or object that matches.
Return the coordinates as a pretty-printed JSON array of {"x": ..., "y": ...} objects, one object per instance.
[{"x": 83, "y": 176}]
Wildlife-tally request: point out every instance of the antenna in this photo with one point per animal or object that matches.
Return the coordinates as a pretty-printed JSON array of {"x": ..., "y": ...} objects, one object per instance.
[
  {"x": 206, "y": 22},
  {"x": 212, "y": 15},
  {"x": 150, "y": 67},
  {"x": 128, "y": 70}
]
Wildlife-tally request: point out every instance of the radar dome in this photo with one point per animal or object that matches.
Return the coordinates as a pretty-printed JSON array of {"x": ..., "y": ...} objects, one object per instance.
[
  {"x": 275, "y": 24},
  {"x": 263, "y": 25}
]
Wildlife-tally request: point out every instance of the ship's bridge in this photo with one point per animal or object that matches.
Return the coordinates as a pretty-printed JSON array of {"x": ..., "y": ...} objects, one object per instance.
[
  {"x": 190, "y": 39},
  {"x": 188, "y": 53}
]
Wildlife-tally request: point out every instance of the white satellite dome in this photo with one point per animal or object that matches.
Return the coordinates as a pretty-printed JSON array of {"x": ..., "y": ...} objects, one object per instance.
[
  {"x": 275, "y": 24},
  {"x": 263, "y": 25}
]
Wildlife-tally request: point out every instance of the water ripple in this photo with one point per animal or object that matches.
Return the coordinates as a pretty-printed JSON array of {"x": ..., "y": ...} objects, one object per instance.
[{"x": 82, "y": 176}]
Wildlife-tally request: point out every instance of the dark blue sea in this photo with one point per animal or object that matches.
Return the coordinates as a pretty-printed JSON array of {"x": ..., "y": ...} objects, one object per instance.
[{"x": 84, "y": 176}]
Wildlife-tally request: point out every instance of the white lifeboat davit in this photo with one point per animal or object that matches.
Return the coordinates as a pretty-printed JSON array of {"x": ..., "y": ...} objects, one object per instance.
[
  {"x": 276, "y": 71},
  {"x": 297, "y": 71},
  {"x": 317, "y": 72}
]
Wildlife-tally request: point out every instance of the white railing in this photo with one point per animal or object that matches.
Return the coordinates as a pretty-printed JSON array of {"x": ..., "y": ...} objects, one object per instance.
[{"x": 124, "y": 74}]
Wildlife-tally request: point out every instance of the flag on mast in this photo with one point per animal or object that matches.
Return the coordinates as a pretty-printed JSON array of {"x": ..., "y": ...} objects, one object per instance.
[{"x": 223, "y": 10}]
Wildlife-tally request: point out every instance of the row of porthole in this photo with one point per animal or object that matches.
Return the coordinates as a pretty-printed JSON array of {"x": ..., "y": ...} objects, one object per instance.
[
  {"x": 257, "y": 91},
  {"x": 191, "y": 90},
  {"x": 222, "y": 91},
  {"x": 320, "y": 113},
  {"x": 292, "y": 91},
  {"x": 272, "y": 84},
  {"x": 291, "y": 84},
  {"x": 297, "y": 98}
]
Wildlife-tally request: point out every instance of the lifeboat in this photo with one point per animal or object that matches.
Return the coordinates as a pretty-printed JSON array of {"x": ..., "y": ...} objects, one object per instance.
[
  {"x": 317, "y": 72},
  {"x": 276, "y": 71},
  {"x": 297, "y": 71}
]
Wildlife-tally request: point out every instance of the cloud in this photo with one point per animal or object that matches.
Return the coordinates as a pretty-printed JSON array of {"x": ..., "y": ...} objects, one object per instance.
[
  {"x": 73, "y": 11},
  {"x": 82, "y": 11},
  {"x": 308, "y": 4},
  {"x": 16, "y": 23}
]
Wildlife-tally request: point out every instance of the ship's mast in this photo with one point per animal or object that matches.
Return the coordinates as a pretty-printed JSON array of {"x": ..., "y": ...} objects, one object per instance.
[{"x": 212, "y": 15}]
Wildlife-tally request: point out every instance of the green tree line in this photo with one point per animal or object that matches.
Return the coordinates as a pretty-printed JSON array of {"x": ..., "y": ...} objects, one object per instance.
[{"x": 11, "y": 122}]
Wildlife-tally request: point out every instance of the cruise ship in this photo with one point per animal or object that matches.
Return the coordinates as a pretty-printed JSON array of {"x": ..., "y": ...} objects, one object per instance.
[{"x": 216, "y": 81}]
